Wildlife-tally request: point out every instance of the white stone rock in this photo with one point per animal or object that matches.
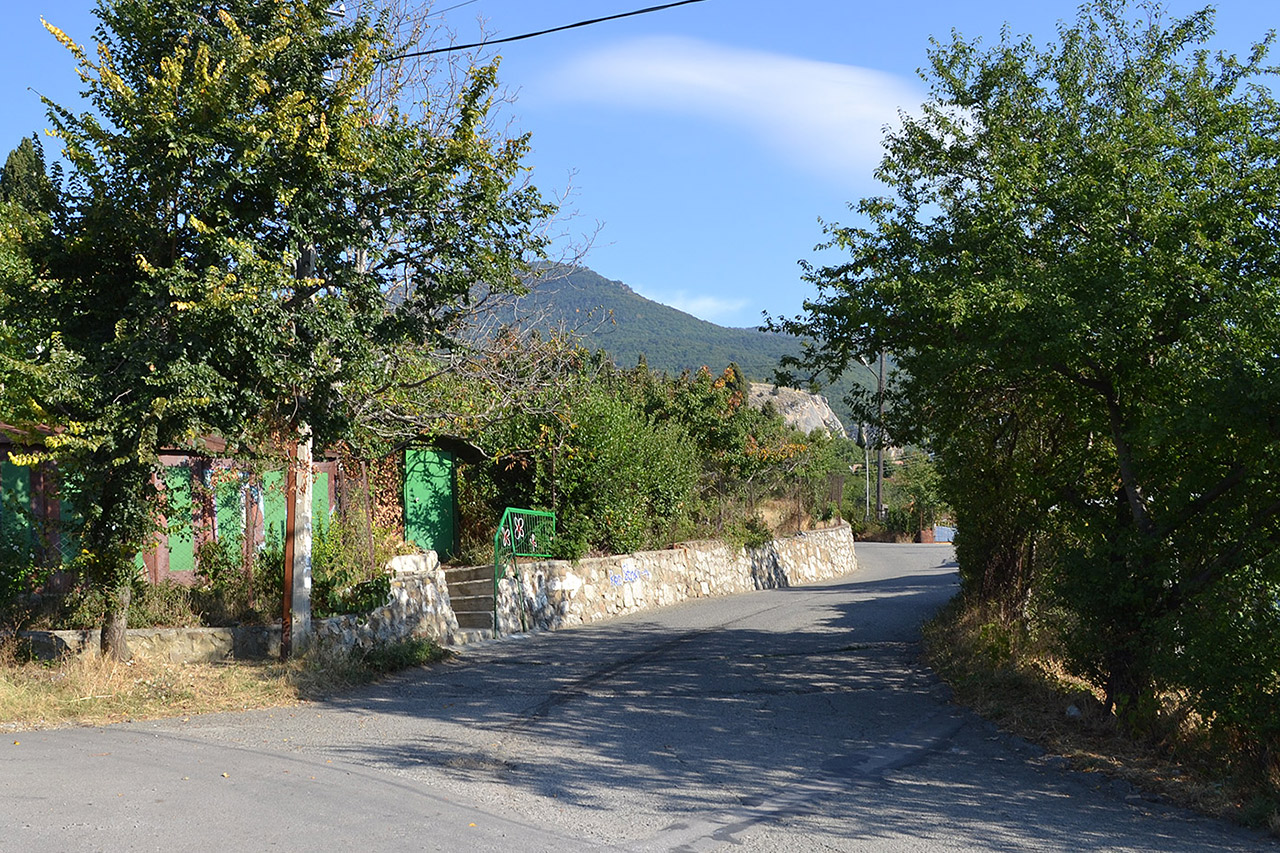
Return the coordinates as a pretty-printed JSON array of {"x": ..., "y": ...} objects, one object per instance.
[{"x": 568, "y": 583}]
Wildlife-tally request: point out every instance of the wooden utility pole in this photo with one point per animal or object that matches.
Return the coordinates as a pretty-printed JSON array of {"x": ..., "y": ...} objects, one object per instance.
[
  {"x": 295, "y": 625},
  {"x": 880, "y": 443}
]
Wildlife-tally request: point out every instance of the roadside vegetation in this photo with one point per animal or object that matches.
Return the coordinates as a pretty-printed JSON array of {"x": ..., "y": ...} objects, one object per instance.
[
  {"x": 96, "y": 690},
  {"x": 262, "y": 207},
  {"x": 1021, "y": 682},
  {"x": 1076, "y": 269}
]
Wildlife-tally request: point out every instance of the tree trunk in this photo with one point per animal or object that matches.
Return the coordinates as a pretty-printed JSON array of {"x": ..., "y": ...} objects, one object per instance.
[
  {"x": 114, "y": 642},
  {"x": 1129, "y": 693}
]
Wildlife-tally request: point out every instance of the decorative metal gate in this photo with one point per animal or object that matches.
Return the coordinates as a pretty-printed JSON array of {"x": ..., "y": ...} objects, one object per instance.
[{"x": 520, "y": 533}]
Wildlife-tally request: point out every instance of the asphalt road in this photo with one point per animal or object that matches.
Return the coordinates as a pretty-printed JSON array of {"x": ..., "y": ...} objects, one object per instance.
[{"x": 791, "y": 720}]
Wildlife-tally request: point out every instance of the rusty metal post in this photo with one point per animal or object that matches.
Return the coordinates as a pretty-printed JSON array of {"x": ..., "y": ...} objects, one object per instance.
[{"x": 368, "y": 495}]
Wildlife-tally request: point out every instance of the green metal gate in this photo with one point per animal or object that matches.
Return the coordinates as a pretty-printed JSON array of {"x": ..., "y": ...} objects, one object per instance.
[{"x": 520, "y": 533}]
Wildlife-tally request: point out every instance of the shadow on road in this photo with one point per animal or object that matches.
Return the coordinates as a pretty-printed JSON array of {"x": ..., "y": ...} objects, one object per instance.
[{"x": 704, "y": 719}]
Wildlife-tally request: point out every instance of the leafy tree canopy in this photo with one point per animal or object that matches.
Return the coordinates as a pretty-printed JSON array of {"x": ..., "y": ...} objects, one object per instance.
[
  {"x": 1079, "y": 274},
  {"x": 24, "y": 181},
  {"x": 241, "y": 240}
]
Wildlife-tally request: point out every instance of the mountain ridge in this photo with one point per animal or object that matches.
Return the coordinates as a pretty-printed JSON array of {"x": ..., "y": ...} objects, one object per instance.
[{"x": 610, "y": 315}]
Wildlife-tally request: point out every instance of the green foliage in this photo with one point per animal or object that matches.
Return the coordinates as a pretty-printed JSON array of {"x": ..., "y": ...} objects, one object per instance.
[
  {"x": 240, "y": 245},
  {"x": 631, "y": 459},
  {"x": 1079, "y": 274},
  {"x": 24, "y": 181},
  {"x": 343, "y": 578},
  {"x": 749, "y": 532},
  {"x": 617, "y": 479},
  {"x": 20, "y": 574},
  {"x": 167, "y": 603},
  {"x": 912, "y": 495},
  {"x": 394, "y": 657},
  {"x": 80, "y": 608},
  {"x": 229, "y": 593}
]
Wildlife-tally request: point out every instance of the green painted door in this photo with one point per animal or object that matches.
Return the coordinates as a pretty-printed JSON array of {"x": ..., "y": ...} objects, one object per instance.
[{"x": 429, "y": 500}]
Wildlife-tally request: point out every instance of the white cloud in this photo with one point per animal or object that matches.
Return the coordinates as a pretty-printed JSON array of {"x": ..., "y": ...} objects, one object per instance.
[
  {"x": 822, "y": 116},
  {"x": 716, "y": 309}
]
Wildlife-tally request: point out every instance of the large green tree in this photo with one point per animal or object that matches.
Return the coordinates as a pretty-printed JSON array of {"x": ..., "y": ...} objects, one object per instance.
[
  {"x": 24, "y": 180},
  {"x": 242, "y": 241},
  {"x": 1079, "y": 274}
]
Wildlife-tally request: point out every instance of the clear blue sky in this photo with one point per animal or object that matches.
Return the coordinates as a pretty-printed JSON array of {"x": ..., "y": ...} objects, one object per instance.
[{"x": 705, "y": 140}]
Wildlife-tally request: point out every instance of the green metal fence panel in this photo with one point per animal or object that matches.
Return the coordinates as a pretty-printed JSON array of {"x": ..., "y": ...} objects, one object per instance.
[
  {"x": 525, "y": 533},
  {"x": 228, "y": 505},
  {"x": 179, "y": 519},
  {"x": 429, "y": 508},
  {"x": 273, "y": 509},
  {"x": 68, "y": 529},
  {"x": 320, "y": 502},
  {"x": 17, "y": 533}
]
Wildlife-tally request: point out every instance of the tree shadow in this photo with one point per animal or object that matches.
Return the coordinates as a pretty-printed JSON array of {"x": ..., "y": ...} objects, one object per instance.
[{"x": 762, "y": 714}]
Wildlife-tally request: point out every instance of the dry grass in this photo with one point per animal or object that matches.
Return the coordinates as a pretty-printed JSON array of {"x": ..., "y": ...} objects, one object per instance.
[
  {"x": 1025, "y": 690},
  {"x": 95, "y": 691}
]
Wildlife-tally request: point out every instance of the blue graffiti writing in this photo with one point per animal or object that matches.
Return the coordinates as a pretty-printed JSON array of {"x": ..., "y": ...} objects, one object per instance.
[{"x": 629, "y": 576}]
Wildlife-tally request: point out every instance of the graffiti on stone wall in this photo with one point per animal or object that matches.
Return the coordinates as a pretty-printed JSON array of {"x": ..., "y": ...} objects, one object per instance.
[{"x": 628, "y": 576}]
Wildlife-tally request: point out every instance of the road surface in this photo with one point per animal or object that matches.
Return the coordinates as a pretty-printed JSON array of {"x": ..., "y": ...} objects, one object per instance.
[{"x": 791, "y": 720}]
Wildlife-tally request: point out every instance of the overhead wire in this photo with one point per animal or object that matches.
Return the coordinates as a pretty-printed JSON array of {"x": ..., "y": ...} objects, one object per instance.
[
  {"x": 435, "y": 12},
  {"x": 508, "y": 39}
]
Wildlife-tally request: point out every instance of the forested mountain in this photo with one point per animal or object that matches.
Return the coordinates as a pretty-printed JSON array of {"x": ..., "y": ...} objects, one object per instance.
[{"x": 613, "y": 317}]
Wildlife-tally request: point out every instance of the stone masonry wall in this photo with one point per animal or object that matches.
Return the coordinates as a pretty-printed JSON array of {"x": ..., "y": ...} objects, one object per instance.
[
  {"x": 418, "y": 607},
  {"x": 558, "y": 593}
]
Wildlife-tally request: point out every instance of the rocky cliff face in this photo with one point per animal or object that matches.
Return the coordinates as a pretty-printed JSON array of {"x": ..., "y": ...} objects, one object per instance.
[{"x": 800, "y": 409}]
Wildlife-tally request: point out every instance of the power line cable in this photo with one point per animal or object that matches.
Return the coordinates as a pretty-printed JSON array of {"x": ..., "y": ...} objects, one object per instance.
[
  {"x": 435, "y": 12},
  {"x": 452, "y": 48}
]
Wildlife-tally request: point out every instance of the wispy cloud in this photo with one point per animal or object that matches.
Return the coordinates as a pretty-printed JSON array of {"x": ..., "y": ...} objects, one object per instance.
[
  {"x": 716, "y": 309},
  {"x": 822, "y": 116}
]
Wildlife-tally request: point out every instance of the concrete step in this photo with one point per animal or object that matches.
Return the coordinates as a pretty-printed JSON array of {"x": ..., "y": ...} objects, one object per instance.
[
  {"x": 463, "y": 636},
  {"x": 472, "y": 603},
  {"x": 482, "y": 586},
  {"x": 475, "y": 620},
  {"x": 468, "y": 573}
]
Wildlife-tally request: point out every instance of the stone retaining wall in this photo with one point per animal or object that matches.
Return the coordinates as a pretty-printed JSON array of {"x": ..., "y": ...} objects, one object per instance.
[
  {"x": 418, "y": 607},
  {"x": 178, "y": 645},
  {"x": 558, "y": 593}
]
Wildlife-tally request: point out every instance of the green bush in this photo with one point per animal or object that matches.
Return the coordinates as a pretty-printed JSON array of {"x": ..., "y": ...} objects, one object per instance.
[
  {"x": 343, "y": 578},
  {"x": 166, "y": 604},
  {"x": 227, "y": 593},
  {"x": 750, "y": 532}
]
